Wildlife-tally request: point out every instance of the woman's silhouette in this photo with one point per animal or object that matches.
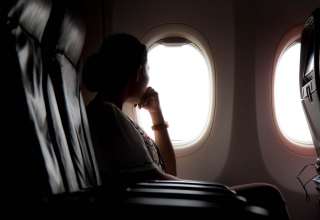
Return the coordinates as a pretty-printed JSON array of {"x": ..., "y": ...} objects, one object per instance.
[{"x": 118, "y": 73}]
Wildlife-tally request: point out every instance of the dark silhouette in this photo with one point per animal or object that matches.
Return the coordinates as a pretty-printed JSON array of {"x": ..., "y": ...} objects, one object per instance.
[{"x": 118, "y": 73}]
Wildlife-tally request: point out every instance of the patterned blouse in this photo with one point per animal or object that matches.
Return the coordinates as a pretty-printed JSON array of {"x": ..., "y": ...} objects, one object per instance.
[
  {"x": 121, "y": 146},
  {"x": 152, "y": 147}
]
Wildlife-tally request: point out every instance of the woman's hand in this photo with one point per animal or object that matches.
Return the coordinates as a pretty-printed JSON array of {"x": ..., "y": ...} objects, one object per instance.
[{"x": 150, "y": 101}]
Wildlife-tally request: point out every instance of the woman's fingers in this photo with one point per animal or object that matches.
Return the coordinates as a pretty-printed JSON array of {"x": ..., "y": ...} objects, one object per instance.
[{"x": 149, "y": 99}]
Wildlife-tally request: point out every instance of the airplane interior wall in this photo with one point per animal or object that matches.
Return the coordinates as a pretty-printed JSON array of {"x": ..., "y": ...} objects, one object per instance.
[
  {"x": 97, "y": 15},
  {"x": 244, "y": 145}
]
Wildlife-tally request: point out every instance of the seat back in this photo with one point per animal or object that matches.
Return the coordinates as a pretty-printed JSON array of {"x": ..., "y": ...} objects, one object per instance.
[
  {"x": 310, "y": 75},
  {"x": 46, "y": 142},
  {"x": 65, "y": 42},
  {"x": 29, "y": 152}
]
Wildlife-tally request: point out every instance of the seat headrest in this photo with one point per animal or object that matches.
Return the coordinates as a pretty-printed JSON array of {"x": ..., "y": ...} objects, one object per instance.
[
  {"x": 71, "y": 39},
  {"x": 31, "y": 15},
  {"x": 310, "y": 41},
  {"x": 310, "y": 74}
]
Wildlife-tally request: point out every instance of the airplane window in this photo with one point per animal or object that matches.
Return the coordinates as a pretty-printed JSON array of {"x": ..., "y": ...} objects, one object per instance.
[
  {"x": 287, "y": 102},
  {"x": 180, "y": 74}
]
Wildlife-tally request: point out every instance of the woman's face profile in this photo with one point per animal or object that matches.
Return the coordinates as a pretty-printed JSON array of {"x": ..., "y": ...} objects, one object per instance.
[
  {"x": 138, "y": 86},
  {"x": 142, "y": 80}
]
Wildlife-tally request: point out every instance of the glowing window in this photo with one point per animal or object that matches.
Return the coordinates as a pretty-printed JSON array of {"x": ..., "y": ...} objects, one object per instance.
[
  {"x": 287, "y": 102},
  {"x": 180, "y": 74}
]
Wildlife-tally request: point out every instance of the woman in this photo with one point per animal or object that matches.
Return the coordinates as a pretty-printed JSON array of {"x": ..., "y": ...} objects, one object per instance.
[
  {"x": 118, "y": 73},
  {"x": 124, "y": 152}
]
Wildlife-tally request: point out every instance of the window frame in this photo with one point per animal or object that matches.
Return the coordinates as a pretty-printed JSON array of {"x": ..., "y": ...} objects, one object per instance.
[
  {"x": 184, "y": 31},
  {"x": 289, "y": 38}
]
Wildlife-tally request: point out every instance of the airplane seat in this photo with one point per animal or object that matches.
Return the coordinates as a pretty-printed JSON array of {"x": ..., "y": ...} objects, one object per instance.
[
  {"x": 46, "y": 157},
  {"x": 310, "y": 77},
  {"x": 64, "y": 39},
  {"x": 30, "y": 151}
]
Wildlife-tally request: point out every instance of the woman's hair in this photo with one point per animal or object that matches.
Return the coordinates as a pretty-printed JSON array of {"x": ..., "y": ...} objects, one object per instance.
[{"x": 117, "y": 61}]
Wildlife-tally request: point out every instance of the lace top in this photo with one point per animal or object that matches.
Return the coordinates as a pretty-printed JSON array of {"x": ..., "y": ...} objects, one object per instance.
[
  {"x": 122, "y": 148},
  {"x": 152, "y": 147}
]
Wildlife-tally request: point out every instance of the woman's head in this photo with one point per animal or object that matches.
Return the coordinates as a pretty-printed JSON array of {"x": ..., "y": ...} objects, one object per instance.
[{"x": 118, "y": 66}]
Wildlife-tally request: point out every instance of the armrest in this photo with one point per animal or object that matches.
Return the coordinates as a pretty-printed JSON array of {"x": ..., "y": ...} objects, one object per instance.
[
  {"x": 186, "y": 202},
  {"x": 184, "y": 186},
  {"x": 190, "y": 182}
]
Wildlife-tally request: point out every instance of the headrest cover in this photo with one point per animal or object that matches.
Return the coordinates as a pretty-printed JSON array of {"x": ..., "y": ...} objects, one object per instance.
[
  {"x": 32, "y": 15},
  {"x": 310, "y": 75},
  {"x": 310, "y": 42},
  {"x": 71, "y": 38}
]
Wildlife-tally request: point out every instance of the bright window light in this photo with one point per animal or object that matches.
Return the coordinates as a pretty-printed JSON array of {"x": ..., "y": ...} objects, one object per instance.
[
  {"x": 287, "y": 102},
  {"x": 180, "y": 75}
]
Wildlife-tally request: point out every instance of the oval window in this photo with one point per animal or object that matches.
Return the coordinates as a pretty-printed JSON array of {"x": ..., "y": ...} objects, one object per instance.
[
  {"x": 287, "y": 102},
  {"x": 180, "y": 74}
]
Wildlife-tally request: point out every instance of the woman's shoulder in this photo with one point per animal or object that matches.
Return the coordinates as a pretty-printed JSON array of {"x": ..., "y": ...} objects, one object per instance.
[
  {"x": 97, "y": 107},
  {"x": 103, "y": 113}
]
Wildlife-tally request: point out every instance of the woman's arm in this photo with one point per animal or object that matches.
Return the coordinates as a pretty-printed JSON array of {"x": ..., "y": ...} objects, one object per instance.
[
  {"x": 150, "y": 101},
  {"x": 162, "y": 139}
]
